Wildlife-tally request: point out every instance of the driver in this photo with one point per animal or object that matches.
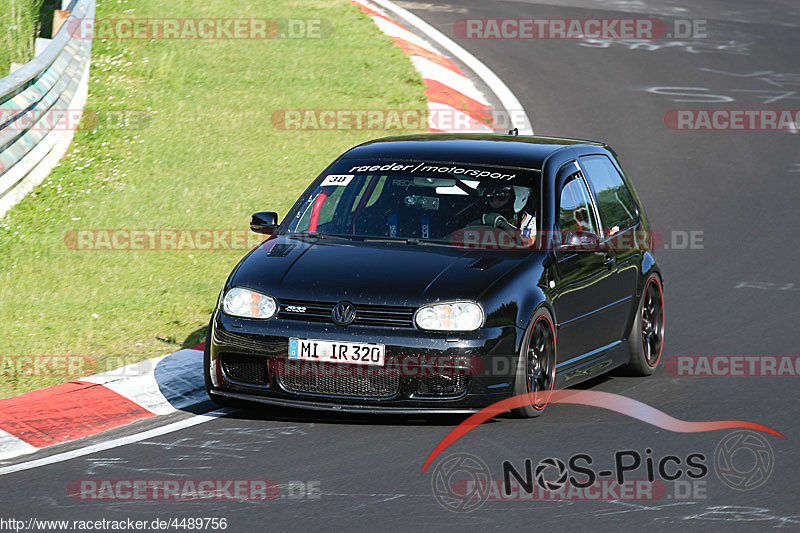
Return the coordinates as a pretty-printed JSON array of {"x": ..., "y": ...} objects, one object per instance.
[
  {"x": 498, "y": 203},
  {"x": 504, "y": 206}
]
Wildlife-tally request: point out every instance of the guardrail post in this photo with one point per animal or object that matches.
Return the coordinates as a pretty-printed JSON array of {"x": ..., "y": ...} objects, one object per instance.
[
  {"x": 40, "y": 45},
  {"x": 59, "y": 17}
]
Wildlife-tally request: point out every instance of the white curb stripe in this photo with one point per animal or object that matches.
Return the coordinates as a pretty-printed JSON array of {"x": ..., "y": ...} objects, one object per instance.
[
  {"x": 433, "y": 71},
  {"x": 161, "y": 385},
  {"x": 503, "y": 93},
  {"x": 137, "y": 383},
  {"x": 11, "y": 446}
]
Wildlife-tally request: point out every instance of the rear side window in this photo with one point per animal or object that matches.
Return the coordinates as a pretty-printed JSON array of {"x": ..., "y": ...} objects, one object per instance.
[
  {"x": 575, "y": 209},
  {"x": 614, "y": 200}
]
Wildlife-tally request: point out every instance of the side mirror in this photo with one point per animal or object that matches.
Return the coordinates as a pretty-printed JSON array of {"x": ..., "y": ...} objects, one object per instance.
[
  {"x": 580, "y": 241},
  {"x": 265, "y": 222}
]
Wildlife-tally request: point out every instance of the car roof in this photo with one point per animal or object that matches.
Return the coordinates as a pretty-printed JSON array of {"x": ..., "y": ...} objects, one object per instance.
[{"x": 524, "y": 151}]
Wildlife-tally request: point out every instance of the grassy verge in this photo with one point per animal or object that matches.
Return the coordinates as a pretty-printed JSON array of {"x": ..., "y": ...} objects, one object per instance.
[
  {"x": 19, "y": 27},
  {"x": 189, "y": 144}
]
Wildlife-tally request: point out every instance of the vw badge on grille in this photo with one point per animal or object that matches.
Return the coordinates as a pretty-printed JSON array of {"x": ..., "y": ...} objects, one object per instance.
[{"x": 343, "y": 313}]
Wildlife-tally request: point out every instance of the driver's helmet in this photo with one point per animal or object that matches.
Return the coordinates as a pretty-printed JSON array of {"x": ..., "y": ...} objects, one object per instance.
[
  {"x": 497, "y": 197},
  {"x": 494, "y": 191}
]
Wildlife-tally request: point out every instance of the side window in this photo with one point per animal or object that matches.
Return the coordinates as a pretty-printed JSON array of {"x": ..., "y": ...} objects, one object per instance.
[
  {"x": 614, "y": 201},
  {"x": 575, "y": 209}
]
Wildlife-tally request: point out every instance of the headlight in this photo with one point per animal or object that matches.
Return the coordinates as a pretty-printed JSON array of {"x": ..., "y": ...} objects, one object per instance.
[
  {"x": 453, "y": 316},
  {"x": 248, "y": 304}
]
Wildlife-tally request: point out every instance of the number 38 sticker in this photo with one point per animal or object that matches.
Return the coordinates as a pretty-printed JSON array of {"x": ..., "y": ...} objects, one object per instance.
[{"x": 336, "y": 180}]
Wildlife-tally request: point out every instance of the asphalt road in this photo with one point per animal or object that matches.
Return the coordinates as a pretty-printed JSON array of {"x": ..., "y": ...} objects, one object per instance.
[{"x": 736, "y": 292}]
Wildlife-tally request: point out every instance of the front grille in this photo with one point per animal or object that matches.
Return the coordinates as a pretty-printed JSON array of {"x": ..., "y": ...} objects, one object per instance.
[
  {"x": 340, "y": 380},
  {"x": 249, "y": 369},
  {"x": 441, "y": 385},
  {"x": 366, "y": 315}
]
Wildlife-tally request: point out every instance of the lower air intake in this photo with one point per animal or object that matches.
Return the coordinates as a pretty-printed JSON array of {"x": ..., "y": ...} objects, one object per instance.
[{"x": 248, "y": 369}]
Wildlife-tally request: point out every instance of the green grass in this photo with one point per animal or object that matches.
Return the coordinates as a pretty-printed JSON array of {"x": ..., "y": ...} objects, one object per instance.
[
  {"x": 19, "y": 27},
  {"x": 207, "y": 157}
]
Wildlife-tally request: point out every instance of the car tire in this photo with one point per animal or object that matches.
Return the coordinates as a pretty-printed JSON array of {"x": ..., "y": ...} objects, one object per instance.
[
  {"x": 219, "y": 400},
  {"x": 646, "y": 340},
  {"x": 536, "y": 365}
]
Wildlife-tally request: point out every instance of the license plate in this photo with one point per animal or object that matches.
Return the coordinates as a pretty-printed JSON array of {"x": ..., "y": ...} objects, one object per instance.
[{"x": 354, "y": 353}]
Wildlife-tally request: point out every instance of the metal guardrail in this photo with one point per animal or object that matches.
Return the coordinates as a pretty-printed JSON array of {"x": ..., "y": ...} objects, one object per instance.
[{"x": 52, "y": 84}]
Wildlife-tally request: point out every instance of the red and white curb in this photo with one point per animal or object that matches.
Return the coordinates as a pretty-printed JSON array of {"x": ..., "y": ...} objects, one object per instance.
[
  {"x": 455, "y": 104},
  {"x": 91, "y": 405},
  {"x": 164, "y": 385}
]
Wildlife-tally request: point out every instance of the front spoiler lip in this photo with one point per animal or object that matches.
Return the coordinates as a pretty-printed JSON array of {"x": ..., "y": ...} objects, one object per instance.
[{"x": 322, "y": 406}]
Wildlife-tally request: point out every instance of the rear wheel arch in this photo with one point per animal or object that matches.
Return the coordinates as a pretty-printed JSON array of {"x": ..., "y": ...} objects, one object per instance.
[{"x": 646, "y": 334}]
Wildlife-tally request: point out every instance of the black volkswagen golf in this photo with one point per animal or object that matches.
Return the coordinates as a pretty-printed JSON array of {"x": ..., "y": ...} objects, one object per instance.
[{"x": 442, "y": 273}]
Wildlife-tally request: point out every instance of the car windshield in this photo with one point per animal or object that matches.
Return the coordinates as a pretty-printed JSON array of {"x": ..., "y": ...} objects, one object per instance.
[{"x": 453, "y": 204}]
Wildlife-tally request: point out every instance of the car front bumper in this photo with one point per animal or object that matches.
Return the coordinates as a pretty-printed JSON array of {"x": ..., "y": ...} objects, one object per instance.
[{"x": 425, "y": 372}]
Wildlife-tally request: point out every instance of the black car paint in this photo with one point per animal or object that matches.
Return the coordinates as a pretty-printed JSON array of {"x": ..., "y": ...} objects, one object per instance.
[{"x": 593, "y": 312}]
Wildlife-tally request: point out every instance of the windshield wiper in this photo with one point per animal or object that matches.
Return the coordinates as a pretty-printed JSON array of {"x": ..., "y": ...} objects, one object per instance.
[
  {"x": 407, "y": 240},
  {"x": 323, "y": 236},
  {"x": 367, "y": 238},
  {"x": 431, "y": 242}
]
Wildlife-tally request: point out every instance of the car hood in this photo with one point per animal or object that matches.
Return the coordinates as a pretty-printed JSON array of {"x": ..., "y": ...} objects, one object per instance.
[{"x": 370, "y": 272}]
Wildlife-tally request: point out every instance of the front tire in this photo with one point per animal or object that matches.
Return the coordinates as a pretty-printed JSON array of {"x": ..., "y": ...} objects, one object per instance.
[
  {"x": 536, "y": 365},
  {"x": 647, "y": 334}
]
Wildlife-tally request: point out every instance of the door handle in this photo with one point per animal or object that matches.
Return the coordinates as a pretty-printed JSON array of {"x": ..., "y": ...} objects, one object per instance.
[{"x": 609, "y": 262}]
